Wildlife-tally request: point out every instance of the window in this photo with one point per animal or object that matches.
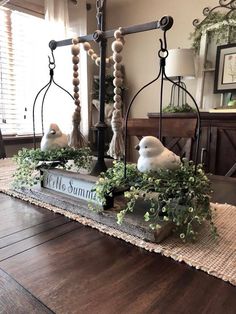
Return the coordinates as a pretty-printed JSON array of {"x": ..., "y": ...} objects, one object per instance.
[
  {"x": 22, "y": 45},
  {"x": 24, "y": 71}
]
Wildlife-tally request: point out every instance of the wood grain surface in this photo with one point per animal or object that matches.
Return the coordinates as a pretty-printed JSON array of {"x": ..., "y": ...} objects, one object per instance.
[{"x": 50, "y": 264}]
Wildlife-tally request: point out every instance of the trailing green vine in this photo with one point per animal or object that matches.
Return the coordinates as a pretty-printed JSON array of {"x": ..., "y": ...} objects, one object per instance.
[
  {"x": 217, "y": 28},
  {"x": 180, "y": 196},
  {"x": 30, "y": 161}
]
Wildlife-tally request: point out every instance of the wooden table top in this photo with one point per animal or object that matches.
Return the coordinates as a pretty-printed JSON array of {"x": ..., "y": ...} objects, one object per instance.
[{"x": 50, "y": 264}]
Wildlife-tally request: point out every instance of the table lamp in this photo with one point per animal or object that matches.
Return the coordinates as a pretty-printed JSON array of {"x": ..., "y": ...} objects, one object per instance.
[{"x": 179, "y": 65}]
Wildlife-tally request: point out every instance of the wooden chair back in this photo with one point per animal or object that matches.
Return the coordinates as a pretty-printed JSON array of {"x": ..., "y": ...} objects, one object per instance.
[{"x": 178, "y": 133}]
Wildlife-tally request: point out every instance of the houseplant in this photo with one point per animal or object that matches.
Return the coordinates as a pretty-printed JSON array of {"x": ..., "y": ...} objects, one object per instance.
[
  {"x": 30, "y": 161},
  {"x": 179, "y": 196}
]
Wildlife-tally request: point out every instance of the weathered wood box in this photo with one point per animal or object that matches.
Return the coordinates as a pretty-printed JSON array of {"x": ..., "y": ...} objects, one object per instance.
[{"x": 73, "y": 192}]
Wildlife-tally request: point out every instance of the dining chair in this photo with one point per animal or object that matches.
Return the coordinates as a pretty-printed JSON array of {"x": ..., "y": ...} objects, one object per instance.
[{"x": 177, "y": 133}]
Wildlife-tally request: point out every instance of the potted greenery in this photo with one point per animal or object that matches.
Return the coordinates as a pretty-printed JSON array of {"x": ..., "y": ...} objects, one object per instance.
[
  {"x": 180, "y": 196},
  {"x": 30, "y": 161}
]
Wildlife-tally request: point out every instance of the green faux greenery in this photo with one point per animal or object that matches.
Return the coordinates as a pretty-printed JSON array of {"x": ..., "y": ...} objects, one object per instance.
[
  {"x": 109, "y": 88},
  {"x": 218, "y": 29},
  {"x": 30, "y": 161},
  {"x": 180, "y": 196},
  {"x": 183, "y": 108}
]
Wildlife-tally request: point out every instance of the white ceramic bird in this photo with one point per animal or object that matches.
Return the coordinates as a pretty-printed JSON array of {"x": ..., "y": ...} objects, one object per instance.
[
  {"x": 53, "y": 138},
  {"x": 154, "y": 155}
]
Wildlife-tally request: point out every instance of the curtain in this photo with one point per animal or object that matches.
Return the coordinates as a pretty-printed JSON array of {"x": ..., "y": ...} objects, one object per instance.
[{"x": 66, "y": 20}]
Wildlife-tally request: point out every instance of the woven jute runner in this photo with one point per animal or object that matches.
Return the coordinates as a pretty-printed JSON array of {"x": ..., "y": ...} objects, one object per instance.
[{"x": 216, "y": 257}]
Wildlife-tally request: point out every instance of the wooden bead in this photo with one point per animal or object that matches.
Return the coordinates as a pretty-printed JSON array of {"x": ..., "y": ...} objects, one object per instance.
[
  {"x": 117, "y": 82},
  {"x": 76, "y": 89},
  {"x": 75, "y": 59},
  {"x": 75, "y": 50},
  {"x": 94, "y": 56},
  {"x": 90, "y": 52},
  {"x": 75, "y": 41},
  {"x": 86, "y": 46},
  {"x": 117, "y": 91},
  {"x": 117, "y": 73},
  {"x": 98, "y": 61},
  {"x": 117, "y": 98},
  {"x": 75, "y": 74},
  {"x": 77, "y": 102},
  {"x": 117, "y": 105},
  {"x": 117, "y": 34},
  {"x": 78, "y": 108},
  {"x": 76, "y": 96},
  {"x": 117, "y": 46},
  {"x": 75, "y": 67},
  {"x": 117, "y": 66},
  {"x": 117, "y": 57},
  {"x": 76, "y": 81}
]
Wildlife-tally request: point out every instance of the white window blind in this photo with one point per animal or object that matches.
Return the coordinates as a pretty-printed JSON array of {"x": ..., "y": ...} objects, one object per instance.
[{"x": 23, "y": 69}]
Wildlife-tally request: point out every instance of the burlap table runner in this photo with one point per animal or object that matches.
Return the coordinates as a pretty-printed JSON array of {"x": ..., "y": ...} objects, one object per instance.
[{"x": 216, "y": 257}]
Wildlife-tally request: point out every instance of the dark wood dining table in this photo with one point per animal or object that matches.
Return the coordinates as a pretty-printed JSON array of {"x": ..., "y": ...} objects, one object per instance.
[{"x": 51, "y": 264}]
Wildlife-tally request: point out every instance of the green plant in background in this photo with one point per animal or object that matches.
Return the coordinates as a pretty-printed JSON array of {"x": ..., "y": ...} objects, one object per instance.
[
  {"x": 30, "y": 161},
  {"x": 183, "y": 108},
  {"x": 180, "y": 196},
  {"x": 218, "y": 28},
  {"x": 109, "y": 88}
]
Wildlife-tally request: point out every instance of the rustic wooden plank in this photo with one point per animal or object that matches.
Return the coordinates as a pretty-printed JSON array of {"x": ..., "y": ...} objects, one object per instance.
[
  {"x": 15, "y": 299},
  {"x": 36, "y": 240},
  {"x": 32, "y": 231},
  {"x": 133, "y": 224},
  {"x": 18, "y": 215},
  {"x": 85, "y": 271}
]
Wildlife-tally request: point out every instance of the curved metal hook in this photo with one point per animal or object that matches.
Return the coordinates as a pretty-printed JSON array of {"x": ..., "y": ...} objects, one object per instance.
[{"x": 51, "y": 64}]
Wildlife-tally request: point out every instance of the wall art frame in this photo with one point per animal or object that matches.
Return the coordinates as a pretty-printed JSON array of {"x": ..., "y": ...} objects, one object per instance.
[{"x": 225, "y": 74}]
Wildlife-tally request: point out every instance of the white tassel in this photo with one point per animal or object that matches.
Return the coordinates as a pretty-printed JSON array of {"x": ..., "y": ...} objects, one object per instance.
[{"x": 117, "y": 147}]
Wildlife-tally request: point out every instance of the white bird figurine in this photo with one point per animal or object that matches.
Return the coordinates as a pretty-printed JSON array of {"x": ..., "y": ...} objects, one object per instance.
[
  {"x": 154, "y": 155},
  {"x": 54, "y": 138}
]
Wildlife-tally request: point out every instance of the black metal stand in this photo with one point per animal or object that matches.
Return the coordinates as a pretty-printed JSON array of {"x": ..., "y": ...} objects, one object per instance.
[{"x": 101, "y": 37}]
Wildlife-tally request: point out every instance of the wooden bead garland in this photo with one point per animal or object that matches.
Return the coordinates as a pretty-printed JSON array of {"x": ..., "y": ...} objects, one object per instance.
[
  {"x": 76, "y": 140},
  {"x": 94, "y": 56},
  {"x": 117, "y": 147}
]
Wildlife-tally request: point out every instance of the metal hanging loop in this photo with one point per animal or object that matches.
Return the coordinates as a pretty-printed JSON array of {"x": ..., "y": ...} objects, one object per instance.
[{"x": 52, "y": 66}]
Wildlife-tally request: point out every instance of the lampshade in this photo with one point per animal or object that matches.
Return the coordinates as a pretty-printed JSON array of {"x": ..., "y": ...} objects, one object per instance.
[{"x": 180, "y": 63}]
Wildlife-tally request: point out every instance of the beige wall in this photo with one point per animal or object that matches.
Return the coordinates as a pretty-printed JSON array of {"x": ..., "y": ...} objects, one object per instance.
[{"x": 140, "y": 52}]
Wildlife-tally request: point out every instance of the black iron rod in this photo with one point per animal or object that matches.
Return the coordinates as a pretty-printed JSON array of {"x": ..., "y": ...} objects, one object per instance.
[
  {"x": 164, "y": 23},
  {"x": 101, "y": 126}
]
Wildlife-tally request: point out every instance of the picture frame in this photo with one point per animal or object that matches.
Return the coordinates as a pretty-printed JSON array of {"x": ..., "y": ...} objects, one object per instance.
[{"x": 225, "y": 70}]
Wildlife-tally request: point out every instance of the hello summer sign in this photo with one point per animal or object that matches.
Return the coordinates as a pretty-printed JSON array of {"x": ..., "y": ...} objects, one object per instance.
[{"x": 71, "y": 184}]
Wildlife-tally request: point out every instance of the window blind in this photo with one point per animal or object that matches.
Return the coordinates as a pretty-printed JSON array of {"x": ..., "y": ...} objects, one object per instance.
[{"x": 23, "y": 68}]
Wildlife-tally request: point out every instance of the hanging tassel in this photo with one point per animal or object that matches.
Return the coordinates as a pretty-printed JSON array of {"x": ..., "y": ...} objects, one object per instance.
[
  {"x": 77, "y": 139},
  {"x": 117, "y": 147}
]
